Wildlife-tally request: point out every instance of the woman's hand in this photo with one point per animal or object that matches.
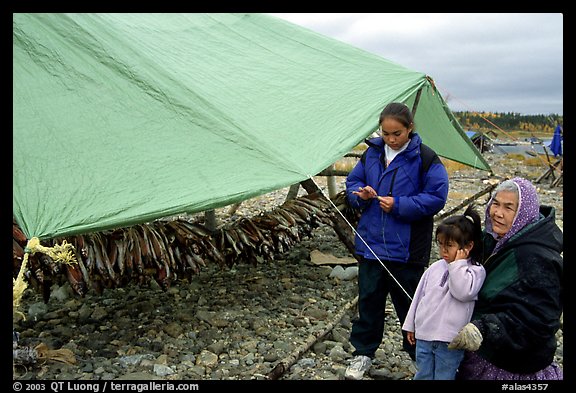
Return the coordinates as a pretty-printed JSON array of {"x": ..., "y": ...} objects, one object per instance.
[
  {"x": 386, "y": 203},
  {"x": 366, "y": 193}
]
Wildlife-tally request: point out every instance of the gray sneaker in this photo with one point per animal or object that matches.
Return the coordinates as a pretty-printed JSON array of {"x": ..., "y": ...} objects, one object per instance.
[{"x": 358, "y": 366}]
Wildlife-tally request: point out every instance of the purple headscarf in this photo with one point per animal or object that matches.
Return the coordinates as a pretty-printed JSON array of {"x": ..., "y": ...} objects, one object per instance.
[{"x": 528, "y": 210}]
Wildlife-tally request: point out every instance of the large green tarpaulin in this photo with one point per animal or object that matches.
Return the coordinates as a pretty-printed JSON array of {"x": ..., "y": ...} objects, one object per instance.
[{"x": 121, "y": 119}]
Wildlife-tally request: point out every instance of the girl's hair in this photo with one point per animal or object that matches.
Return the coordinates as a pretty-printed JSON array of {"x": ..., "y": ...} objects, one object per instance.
[
  {"x": 463, "y": 229},
  {"x": 399, "y": 112}
]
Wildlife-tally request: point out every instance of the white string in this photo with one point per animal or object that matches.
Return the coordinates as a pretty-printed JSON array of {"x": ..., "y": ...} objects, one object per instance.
[{"x": 360, "y": 237}]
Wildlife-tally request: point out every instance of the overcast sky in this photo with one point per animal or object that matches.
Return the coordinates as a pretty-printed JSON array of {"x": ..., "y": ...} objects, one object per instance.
[{"x": 486, "y": 62}]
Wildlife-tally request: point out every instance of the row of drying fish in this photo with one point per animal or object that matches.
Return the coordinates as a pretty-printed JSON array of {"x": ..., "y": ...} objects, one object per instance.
[{"x": 170, "y": 250}]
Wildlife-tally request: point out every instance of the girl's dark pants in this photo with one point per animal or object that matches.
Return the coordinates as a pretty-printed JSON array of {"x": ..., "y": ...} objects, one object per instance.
[{"x": 374, "y": 285}]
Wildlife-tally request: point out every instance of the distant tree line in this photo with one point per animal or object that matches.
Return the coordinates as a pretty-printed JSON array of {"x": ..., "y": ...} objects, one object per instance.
[{"x": 509, "y": 121}]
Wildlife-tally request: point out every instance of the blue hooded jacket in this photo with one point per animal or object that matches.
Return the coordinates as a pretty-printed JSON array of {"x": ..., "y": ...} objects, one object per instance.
[{"x": 405, "y": 234}]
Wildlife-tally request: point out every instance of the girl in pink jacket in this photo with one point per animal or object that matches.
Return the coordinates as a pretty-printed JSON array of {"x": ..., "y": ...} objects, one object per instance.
[{"x": 445, "y": 296}]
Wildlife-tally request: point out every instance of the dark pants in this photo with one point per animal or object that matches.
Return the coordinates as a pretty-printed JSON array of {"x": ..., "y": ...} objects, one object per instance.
[{"x": 374, "y": 285}]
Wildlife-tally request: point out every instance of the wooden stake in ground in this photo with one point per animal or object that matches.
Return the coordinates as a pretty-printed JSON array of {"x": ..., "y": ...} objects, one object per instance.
[{"x": 285, "y": 364}]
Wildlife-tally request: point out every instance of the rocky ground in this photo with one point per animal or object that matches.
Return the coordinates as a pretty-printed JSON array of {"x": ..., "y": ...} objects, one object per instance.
[{"x": 236, "y": 324}]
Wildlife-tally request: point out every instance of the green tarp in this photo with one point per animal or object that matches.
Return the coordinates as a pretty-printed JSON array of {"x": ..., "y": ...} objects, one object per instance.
[{"x": 121, "y": 119}]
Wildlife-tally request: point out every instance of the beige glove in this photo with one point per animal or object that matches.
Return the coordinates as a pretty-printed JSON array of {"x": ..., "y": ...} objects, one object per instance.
[{"x": 468, "y": 338}]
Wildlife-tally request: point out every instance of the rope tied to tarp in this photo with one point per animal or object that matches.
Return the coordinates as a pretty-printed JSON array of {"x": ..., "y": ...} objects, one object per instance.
[{"x": 62, "y": 253}]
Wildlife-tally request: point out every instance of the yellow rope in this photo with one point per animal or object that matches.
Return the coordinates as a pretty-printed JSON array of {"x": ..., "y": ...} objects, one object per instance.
[
  {"x": 62, "y": 253},
  {"x": 19, "y": 286}
]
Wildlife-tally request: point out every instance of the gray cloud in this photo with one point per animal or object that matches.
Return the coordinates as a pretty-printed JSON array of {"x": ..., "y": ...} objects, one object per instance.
[{"x": 486, "y": 62}]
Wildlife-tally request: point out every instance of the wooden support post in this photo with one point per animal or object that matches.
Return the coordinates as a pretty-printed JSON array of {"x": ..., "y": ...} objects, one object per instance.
[
  {"x": 292, "y": 192},
  {"x": 543, "y": 176},
  {"x": 331, "y": 184},
  {"x": 210, "y": 220},
  {"x": 550, "y": 171},
  {"x": 310, "y": 186},
  {"x": 341, "y": 227},
  {"x": 234, "y": 208},
  {"x": 558, "y": 180},
  {"x": 416, "y": 101},
  {"x": 333, "y": 172},
  {"x": 549, "y": 163}
]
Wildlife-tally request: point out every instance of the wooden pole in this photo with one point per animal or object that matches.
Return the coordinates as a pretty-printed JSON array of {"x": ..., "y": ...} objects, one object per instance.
[
  {"x": 331, "y": 184},
  {"x": 549, "y": 163},
  {"x": 416, "y": 101},
  {"x": 292, "y": 192},
  {"x": 210, "y": 219},
  {"x": 546, "y": 174},
  {"x": 285, "y": 364},
  {"x": 234, "y": 208},
  {"x": 345, "y": 234},
  {"x": 333, "y": 172}
]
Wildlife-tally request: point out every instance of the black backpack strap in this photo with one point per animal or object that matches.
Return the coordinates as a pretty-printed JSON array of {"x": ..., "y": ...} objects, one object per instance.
[
  {"x": 363, "y": 158},
  {"x": 428, "y": 156}
]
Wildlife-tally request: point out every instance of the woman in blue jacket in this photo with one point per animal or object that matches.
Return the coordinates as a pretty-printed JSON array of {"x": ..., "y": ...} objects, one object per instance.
[{"x": 398, "y": 186}]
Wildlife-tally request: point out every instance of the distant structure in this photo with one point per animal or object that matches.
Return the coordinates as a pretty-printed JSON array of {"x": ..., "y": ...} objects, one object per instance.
[{"x": 481, "y": 140}]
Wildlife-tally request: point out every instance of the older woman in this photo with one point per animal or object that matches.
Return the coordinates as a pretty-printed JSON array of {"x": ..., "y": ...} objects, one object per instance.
[{"x": 512, "y": 334}]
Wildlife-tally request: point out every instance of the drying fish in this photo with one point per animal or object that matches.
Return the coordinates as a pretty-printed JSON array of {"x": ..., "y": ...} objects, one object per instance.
[{"x": 169, "y": 250}]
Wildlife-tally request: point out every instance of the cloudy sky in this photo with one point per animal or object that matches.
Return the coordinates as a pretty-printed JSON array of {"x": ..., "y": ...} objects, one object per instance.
[{"x": 486, "y": 62}]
